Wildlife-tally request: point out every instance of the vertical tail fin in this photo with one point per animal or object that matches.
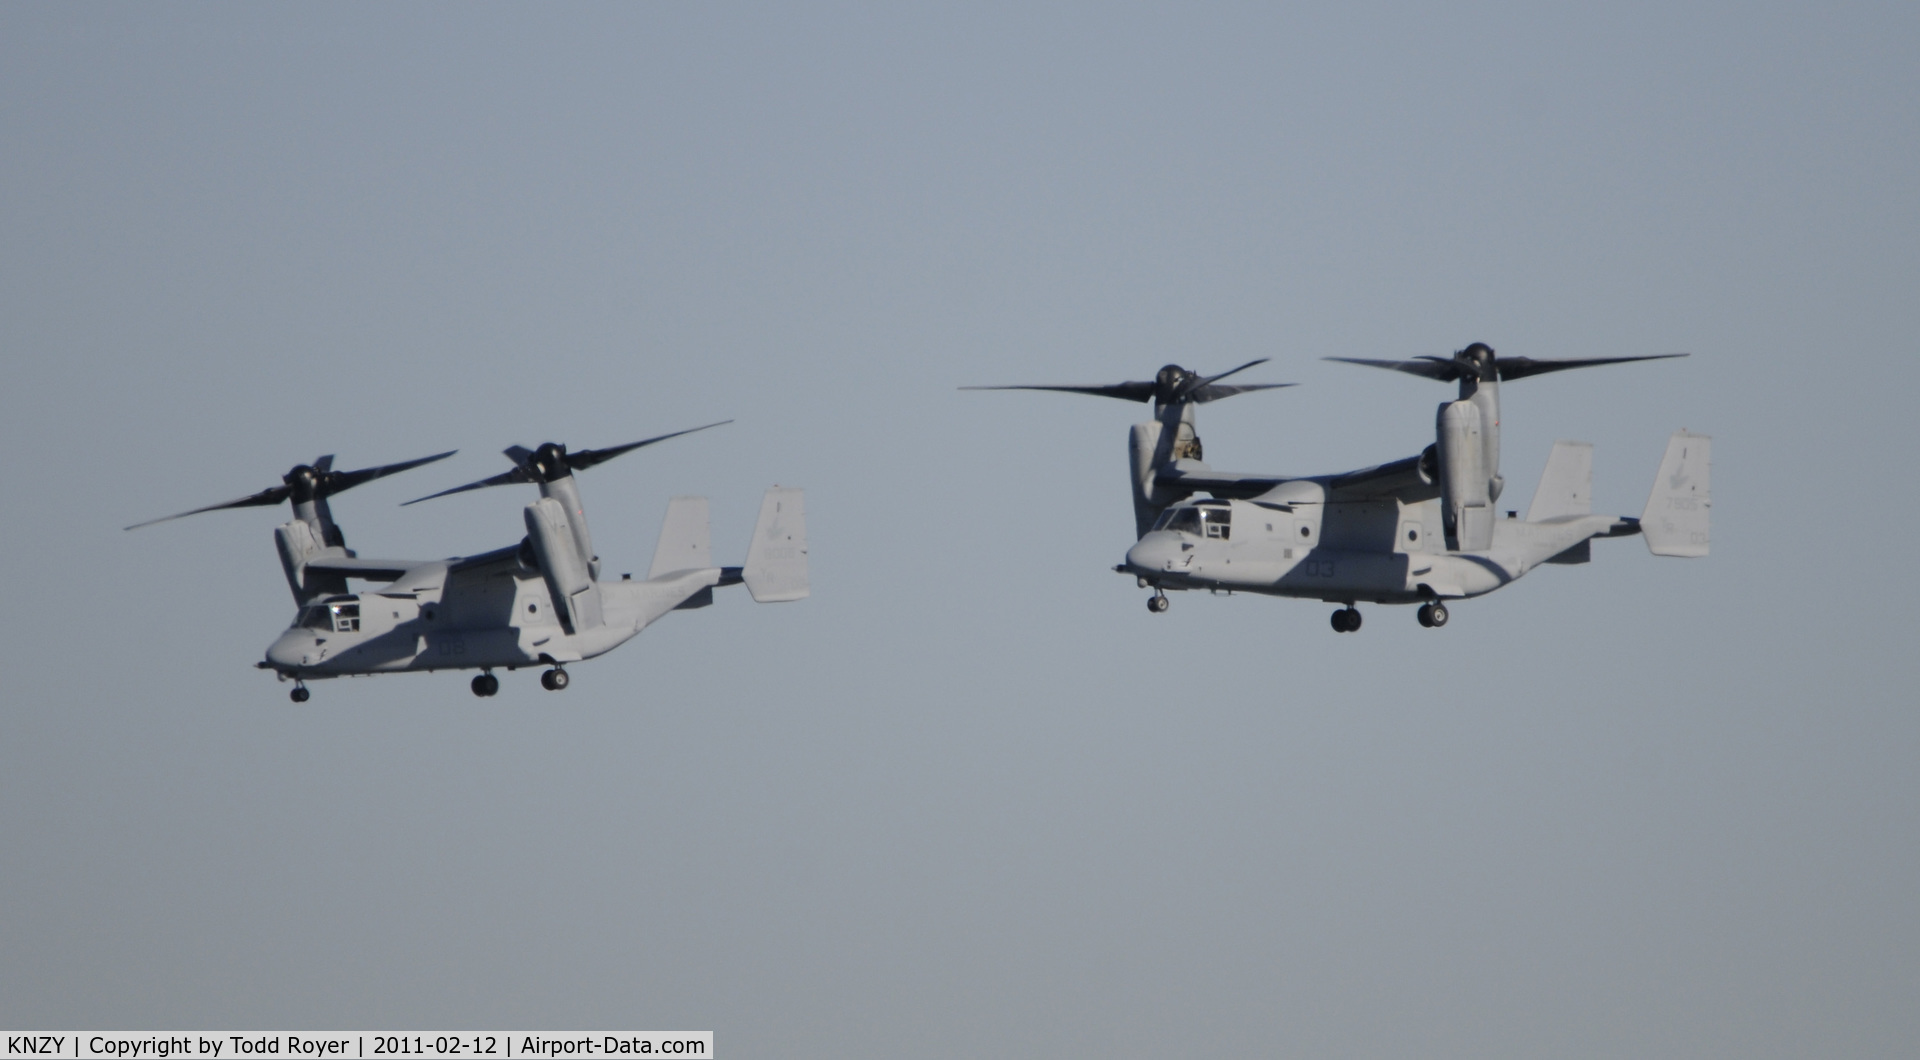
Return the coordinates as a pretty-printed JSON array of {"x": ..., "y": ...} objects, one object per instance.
[
  {"x": 1566, "y": 486},
  {"x": 686, "y": 541},
  {"x": 776, "y": 568},
  {"x": 1675, "y": 521}
]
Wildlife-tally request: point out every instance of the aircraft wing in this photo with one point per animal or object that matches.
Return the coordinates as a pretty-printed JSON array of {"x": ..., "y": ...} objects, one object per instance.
[
  {"x": 1218, "y": 483},
  {"x": 373, "y": 570},
  {"x": 1400, "y": 480}
]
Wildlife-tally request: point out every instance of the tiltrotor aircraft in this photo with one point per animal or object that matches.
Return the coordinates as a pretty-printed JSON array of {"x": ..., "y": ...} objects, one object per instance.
[
  {"x": 1421, "y": 530},
  {"x": 536, "y": 603}
]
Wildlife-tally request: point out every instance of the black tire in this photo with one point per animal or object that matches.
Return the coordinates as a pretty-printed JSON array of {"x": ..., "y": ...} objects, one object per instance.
[
  {"x": 1425, "y": 615},
  {"x": 485, "y": 685},
  {"x": 1353, "y": 620},
  {"x": 1438, "y": 616},
  {"x": 554, "y": 680},
  {"x": 1157, "y": 604},
  {"x": 299, "y": 695},
  {"x": 1340, "y": 621}
]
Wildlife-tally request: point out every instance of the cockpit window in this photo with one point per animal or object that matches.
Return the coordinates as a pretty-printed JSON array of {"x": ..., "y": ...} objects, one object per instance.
[
  {"x": 1204, "y": 521},
  {"x": 346, "y": 617},
  {"x": 317, "y": 618}
]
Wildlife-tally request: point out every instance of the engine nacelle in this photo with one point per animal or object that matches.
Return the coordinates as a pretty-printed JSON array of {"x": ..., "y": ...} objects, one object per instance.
[
  {"x": 1465, "y": 502},
  {"x": 564, "y": 568}
]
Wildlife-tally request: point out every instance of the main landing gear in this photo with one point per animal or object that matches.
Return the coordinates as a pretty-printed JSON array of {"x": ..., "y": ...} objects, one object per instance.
[
  {"x": 486, "y": 685},
  {"x": 554, "y": 680},
  {"x": 1346, "y": 620},
  {"x": 299, "y": 693},
  {"x": 1433, "y": 615},
  {"x": 1158, "y": 603}
]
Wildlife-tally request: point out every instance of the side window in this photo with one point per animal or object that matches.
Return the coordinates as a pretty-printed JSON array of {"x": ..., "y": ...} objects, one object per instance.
[
  {"x": 346, "y": 617},
  {"x": 1219, "y": 522}
]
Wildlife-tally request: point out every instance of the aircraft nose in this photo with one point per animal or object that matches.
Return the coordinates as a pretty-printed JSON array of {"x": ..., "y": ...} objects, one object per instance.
[
  {"x": 290, "y": 650},
  {"x": 1151, "y": 552}
]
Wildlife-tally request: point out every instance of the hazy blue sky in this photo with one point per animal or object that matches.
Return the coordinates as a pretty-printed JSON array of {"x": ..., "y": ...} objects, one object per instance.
[{"x": 971, "y": 797}]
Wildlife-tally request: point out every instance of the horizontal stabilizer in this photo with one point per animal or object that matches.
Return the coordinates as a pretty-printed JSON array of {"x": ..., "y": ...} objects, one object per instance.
[
  {"x": 1675, "y": 522},
  {"x": 1566, "y": 487},
  {"x": 776, "y": 567},
  {"x": 685, "y": 540}
]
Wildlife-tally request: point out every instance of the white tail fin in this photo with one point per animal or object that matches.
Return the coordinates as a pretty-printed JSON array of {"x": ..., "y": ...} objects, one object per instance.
[
  {"x": 776, "y": 567},
  {"x": 1566, "y": 487},
  {"x": 1675, "y": 522},
  {"x": 685, "y": 540}
]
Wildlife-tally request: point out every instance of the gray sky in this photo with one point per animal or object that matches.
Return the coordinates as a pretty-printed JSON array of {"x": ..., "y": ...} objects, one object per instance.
[{"x": 971, "y": 795}]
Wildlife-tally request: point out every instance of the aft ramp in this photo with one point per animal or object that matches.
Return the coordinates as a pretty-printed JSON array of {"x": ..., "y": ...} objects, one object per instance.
[
  {"x": 776, "y": 568},
  {"x": 1675, "y": 522}
]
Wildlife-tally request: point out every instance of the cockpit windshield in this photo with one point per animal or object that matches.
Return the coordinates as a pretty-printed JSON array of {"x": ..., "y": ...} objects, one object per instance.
[
  {"x": 333, "y": 618},
  {"x": 1210, "y": 521}
]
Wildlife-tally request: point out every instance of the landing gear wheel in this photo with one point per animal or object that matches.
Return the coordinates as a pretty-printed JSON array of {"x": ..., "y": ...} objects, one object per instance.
[
  {"x": 554, "y": 680},
  {"x": 485, "y": 685},
  {"x": 1425, "y": 615},
  {"x": 1158, "y": 603},
  {"x": 1346, "y": 620},
  {"x": 299, "y": 694},
  {"x": 1436, "y": 614}
]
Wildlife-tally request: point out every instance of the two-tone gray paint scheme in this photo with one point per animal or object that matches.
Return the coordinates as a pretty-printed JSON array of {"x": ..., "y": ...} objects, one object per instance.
[
  {"x": 1421, "y": 530},
  {"x": 537, "y": 603}
]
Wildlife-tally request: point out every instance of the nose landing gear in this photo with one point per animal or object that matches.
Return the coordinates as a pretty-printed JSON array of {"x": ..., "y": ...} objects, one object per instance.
[
  {"x": 485, "y": 685},
  {"x": 1433, "y": 615},
  {"x": 554, "y": 680},
  {"x": 1346, "y": 620},
  {"x": 299, "y": 693},
  {"x": 1158, "y": 603}
]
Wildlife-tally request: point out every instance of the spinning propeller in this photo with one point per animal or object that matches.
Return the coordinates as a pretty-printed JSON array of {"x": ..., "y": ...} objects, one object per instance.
[
  {"x": 1172, "y": 385},
  {"x": 551, "y": 462},
  {"x": 307, "y": 483},
  {"x": 1477, "y": 362}
]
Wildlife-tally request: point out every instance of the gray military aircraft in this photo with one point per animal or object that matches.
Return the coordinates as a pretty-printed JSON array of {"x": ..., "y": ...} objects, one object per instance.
[
  {"x": 1421, "y": 530},
  {"x": 536, "y": 603}
]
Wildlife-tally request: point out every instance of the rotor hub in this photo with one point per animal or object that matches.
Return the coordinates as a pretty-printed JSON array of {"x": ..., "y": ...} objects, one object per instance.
[
  {"x": 303, "y": 483},
  {"x": 550, "y": 461}
]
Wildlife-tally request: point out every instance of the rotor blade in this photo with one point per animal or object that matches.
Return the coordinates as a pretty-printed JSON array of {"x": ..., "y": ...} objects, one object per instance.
[
  {"x": 519, "y": 454},
  {"x": 1435, "y": 368},
  {"x": 1521, "y": 367},
  {"x": 587, "y": 458},
  {"x": 518, "y": 474},
  {"x": 341, "y": 481},
  {"x": 324, "y": 464},
  {"x": 1216, "y": 378},
  {"x": 1216, "y": 391},
  {"x": 1131, "y": 391},
  {"x": 272, "y": 495}
]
